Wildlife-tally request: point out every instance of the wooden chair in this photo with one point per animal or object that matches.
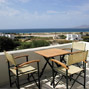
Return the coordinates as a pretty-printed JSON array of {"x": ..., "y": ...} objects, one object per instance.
[
  {"x": 69, "y": 69},
  {"x": 17, "y": 70},
  {"x": 77, "y": 46}
]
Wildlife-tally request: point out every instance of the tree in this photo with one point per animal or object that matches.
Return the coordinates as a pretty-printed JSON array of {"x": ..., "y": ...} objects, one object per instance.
[{"x": 7, "y": 44}]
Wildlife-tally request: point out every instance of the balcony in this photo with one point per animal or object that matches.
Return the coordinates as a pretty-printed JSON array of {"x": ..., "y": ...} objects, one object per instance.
[{"x": 46, "y": 78}]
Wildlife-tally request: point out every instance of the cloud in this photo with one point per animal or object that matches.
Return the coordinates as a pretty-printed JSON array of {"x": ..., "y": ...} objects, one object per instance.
[
  {"x": 3, "y": 1},
  {"x": 52, "y": 12},
  {"x": 12, "y": 12},
  {"x": 5, "y": 10},
  {"x": 84, "y": 7},
  {"x": 14, "y": 17},
  {"x": 81, "y": 8},
  {"x": 55, "y": 12}
]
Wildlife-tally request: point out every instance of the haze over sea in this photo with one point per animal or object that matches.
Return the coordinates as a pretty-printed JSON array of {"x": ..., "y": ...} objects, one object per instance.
[{"x": 44, "y": 30}]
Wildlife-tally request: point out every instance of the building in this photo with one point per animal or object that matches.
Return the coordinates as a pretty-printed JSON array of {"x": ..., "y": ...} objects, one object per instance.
[
  {"x": 8, "y": 35},
  {"x": 73, "y": 37}
]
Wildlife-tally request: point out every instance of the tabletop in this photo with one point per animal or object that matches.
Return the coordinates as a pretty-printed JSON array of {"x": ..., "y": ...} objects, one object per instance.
[{"x": 52, "y": 52}]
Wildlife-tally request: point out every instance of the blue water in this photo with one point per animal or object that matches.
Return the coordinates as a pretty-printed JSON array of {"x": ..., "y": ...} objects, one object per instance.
[{"x": 43, "y": 30}]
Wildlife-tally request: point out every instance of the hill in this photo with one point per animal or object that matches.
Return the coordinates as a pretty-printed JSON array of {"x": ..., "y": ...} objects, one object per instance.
[{"x": 83, "y": 26}]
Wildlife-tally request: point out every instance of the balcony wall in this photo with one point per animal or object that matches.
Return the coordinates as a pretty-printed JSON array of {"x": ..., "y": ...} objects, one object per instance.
[{"x": 4, "y": 79}]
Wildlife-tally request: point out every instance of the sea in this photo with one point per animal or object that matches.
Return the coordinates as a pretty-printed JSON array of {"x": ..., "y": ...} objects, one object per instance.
[{"x": 44, "y": 30}]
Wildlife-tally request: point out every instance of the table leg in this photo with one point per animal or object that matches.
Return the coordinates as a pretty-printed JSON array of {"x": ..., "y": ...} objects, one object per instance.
[
  {"x": 47, "y": 61},
  {"x": 43, "y": 69}
]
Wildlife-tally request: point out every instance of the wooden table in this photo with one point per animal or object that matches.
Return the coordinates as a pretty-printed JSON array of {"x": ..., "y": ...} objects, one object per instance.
[{"x": 50, "y": 53}]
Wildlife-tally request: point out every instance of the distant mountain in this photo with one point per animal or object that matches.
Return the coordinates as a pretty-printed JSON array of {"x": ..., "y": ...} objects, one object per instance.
[{"x": 83, "y": 26}]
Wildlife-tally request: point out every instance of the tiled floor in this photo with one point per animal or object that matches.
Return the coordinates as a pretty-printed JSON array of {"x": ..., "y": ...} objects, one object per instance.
[{"x": 45, "y": 84}]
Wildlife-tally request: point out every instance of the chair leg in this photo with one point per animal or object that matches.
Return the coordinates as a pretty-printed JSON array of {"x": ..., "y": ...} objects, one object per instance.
[
  {"x": 27, "y": 74},
  {"x": 53, "y": 75},
  {"x": 10, "y": 79},
  {"x": 38, "y": 76},
  {"x": 28, "y": 77},
  {"x": 9, "y": 74},
  {"x": 18, "y": 83},
  {"x": 84, "y": 75},
  {"x": 39, "y": 82},
  {"x": 66, "y": 79},
  {"x": 53, "y": 80},
  {"x": 17, "y": 77}
]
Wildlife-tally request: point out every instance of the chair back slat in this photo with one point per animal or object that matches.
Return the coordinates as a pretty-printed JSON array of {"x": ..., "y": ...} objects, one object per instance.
[
  {"x": 77, "y": 57},
  {"x": 10, "y": 58},
  {"x": 77, "y": 45}
]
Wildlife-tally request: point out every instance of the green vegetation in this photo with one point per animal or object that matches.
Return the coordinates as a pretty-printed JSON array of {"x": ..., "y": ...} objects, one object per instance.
[
  {"x": 22, "y": 37},
  {"x": 86, "y": 38},
  {"x": 7, "y": 44},
  {"x": 60, "y": 41},
  {"x": 39, "y": 43},
  {"x": 64, "y": 41},
  {"x": 15, "y": 44},
  {"x": 24, "y": 45},
  {"x": 33, "y": 44},
  {"x": 41, "y": 38},
  {"x": 62, "y": 36}
]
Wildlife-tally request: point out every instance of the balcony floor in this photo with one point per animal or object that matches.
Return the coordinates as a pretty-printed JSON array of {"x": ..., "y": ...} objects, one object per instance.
[{"x": 45, "y": 83}]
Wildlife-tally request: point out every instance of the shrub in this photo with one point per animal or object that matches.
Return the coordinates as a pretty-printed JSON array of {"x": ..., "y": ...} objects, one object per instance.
[
  {"x": 41, "y": 38},
  {"x": 17, "y": 43},
  {"x": 65, "y": 41},
  {"x": 39, "y": 43},
  {"x": 7, "y": 44},
  {"x": 62, "y": 36},
  {"x": 24, "y": 45},
  {"x": 60, "y": 41},
  {"x": 33, "y": 44},
  {"x": 86, "y": 38}
]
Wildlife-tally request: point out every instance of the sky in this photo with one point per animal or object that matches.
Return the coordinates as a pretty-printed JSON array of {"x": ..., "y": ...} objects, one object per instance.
[{"x": 20, "y": 14}]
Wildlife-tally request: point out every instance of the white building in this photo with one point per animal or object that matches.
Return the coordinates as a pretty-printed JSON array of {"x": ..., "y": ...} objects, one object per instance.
[
  {"x": 73, "y": 37},
  {"x": 8, "y": 35}
]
